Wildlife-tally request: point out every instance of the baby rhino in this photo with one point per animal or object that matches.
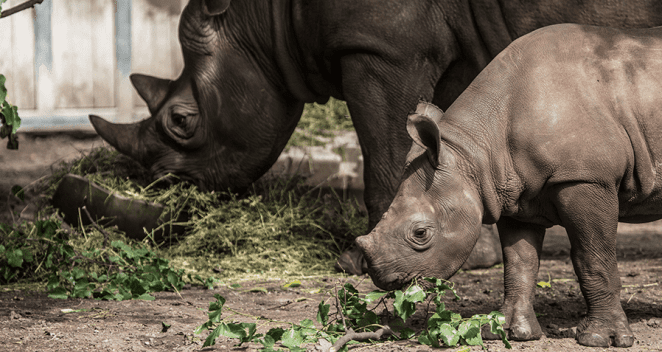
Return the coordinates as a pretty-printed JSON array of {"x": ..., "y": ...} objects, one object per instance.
[{"x": 564, "y": 127}]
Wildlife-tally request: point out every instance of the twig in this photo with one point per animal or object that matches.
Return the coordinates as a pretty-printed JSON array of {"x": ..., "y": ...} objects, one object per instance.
[
  {"x": 339, "y": 310},
  {"x": 361, "y": 336},
  {"x": 18, "y": 8},
  {"x": 96, "y": 226},
  {"x": 179, "y": 294}
]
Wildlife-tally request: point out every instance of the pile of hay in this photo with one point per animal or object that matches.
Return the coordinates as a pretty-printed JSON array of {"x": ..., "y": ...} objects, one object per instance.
[{"x": 278, "y": 228}]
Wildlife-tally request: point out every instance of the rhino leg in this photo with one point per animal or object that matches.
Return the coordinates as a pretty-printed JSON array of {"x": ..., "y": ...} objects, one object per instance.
[
  {"x": 521, "y": 244},
  {"x": 590, "y": 215},
  {"x": 486, "y": 252}
]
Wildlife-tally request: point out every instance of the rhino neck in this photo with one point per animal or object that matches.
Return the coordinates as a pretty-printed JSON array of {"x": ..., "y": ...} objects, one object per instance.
[
  {"x": 287, "y": 52},
  {"x": 484, "y": 159}
]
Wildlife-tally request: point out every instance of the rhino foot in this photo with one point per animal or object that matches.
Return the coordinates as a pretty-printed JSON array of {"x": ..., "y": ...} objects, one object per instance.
[
  {"x": 352, "y": 262},
  {"x": 524, "y": 328},
  {"x": 519, "y": 327},
  {"x": 617, "y": 333}
]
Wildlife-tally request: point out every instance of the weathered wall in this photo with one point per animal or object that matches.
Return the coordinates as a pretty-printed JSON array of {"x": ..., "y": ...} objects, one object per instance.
[{"x": 66, "y": 59}]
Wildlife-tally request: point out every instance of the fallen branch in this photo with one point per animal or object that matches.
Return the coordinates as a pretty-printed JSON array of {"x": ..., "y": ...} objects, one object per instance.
[
  {"x": 20, "y": 7},
  {"x": 351, "y": 335}
]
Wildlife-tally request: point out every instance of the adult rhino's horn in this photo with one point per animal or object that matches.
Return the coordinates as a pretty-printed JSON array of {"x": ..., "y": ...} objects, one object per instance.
[
  {"x": 124, "y": 137},
  {"x": 152, "y": 89}
]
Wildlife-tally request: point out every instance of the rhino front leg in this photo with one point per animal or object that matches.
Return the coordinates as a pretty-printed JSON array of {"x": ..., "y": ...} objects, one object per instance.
[
  {"x": 589, "y": 213},
  {"x": 521, "y": 244}
]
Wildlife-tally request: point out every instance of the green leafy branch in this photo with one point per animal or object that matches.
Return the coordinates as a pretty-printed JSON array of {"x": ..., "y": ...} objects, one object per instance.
[
  {"x": 116, "y": 272},
  {"x": 9, "y": 120},
  {"x": 353, "y": 321}
]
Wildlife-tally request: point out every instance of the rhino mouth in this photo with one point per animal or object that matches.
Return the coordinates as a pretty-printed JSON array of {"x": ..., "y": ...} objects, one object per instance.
[
  {"x": 166, "y": 179},
  {"x": 389, "y": 281}
]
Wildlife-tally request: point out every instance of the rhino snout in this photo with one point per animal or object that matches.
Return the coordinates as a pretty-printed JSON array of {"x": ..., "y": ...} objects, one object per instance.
[{"x": 365, "y": 244}]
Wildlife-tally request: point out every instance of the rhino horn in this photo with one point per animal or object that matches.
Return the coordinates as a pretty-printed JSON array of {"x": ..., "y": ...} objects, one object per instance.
[
  {"x": 152, "y": 89},
  {"x": 124, "y": 137}
]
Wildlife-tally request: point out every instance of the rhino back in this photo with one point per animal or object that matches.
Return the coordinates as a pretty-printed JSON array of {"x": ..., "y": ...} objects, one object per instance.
[{"x": 573, "y": 103}]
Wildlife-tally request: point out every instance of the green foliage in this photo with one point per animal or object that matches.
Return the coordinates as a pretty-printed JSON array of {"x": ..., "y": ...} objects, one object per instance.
[
  {"x": 443, "y": 328},
  {"x": 9, "y": 120},
  {"x": 116, "y": 272},
  {"x": 320, "y": 121}
]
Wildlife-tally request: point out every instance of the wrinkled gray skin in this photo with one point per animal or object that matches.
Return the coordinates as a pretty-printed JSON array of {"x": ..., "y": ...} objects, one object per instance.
[
  {"x": 562, "y": 128},
  {"x": 250, "y": 66}
]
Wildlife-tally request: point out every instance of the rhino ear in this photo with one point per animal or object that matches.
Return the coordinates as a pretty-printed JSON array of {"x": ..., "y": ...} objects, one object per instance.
[
  {"x": 216, "y": 7},
  {"x": 425, "y": 133},
  {"x": 153, "y": 90}
]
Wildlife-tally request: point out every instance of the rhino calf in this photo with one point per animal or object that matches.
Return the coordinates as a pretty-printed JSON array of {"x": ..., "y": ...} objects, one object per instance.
[{"x": 562, "y": 128}]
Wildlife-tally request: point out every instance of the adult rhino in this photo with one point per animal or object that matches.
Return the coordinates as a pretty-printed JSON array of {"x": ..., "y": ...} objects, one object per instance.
[{"x": 251, "y": 65}]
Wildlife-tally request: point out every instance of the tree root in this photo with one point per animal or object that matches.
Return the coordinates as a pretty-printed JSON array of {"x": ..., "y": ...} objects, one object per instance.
[{"x": 351, "y": 335}]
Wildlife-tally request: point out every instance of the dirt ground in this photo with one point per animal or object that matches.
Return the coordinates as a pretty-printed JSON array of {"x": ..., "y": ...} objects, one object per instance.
[{"x": 29, "y": 321}]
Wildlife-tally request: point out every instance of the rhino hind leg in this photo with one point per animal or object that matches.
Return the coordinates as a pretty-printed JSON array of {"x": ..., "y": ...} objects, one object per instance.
[
  {"x": 521, "y": 244},
  {"x": 590, "y": 215}
]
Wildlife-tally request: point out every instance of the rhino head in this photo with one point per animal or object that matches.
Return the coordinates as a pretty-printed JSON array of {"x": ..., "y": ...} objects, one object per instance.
[
  {"x": 435, "y": 218},
  {"x": 224, "y": 121}
]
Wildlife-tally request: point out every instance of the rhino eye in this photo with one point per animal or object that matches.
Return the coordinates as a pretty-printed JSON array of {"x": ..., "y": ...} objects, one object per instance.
[
  {"x": 420, "y": 238},
  {"x": 179, "y": 120}
]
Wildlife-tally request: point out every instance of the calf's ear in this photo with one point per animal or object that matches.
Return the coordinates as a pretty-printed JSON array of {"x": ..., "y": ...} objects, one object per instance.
[
  {"x": 425, "y": 133},
  {"x": 216, "y": 7}
]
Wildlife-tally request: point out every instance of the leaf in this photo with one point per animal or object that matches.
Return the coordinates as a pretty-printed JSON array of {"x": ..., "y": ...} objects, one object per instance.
[
  {"x": 448, "y": 335},
  {"x": 18, "y": 192},
  {"x": 470, "y": 331},
  {"x": 15, "y": 258},
  {"x": 215, "y": 309},
  {"x": 146, "y": 297},
  {"x": 211, "y": 339},
  {"x": 323, "y": 313},
  {"x": 406, "y": 334},
  {"x": 307, "y": 323},
  {"x": 268, "y": 342},
  {"x": 426, "y": 338},
  {"x": 3, "y": 79},
  {"x": 235, "y": 286},
  {"x": 257, "y": 289},
  {"x": 295, "y": 283},
  {"x": 10, "y": 113},
  {"x": 415, "y": 294},
  {"x": 292, "y": 338},
  {"x": 543, "y": 284},
  {"x": 497, "y": 316},
  {"x": 275, "y": 333},
  {"x": 374, "y": 296},
  {"x": 403, "y": 308},
  {"x": 165, "y": 326}
]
